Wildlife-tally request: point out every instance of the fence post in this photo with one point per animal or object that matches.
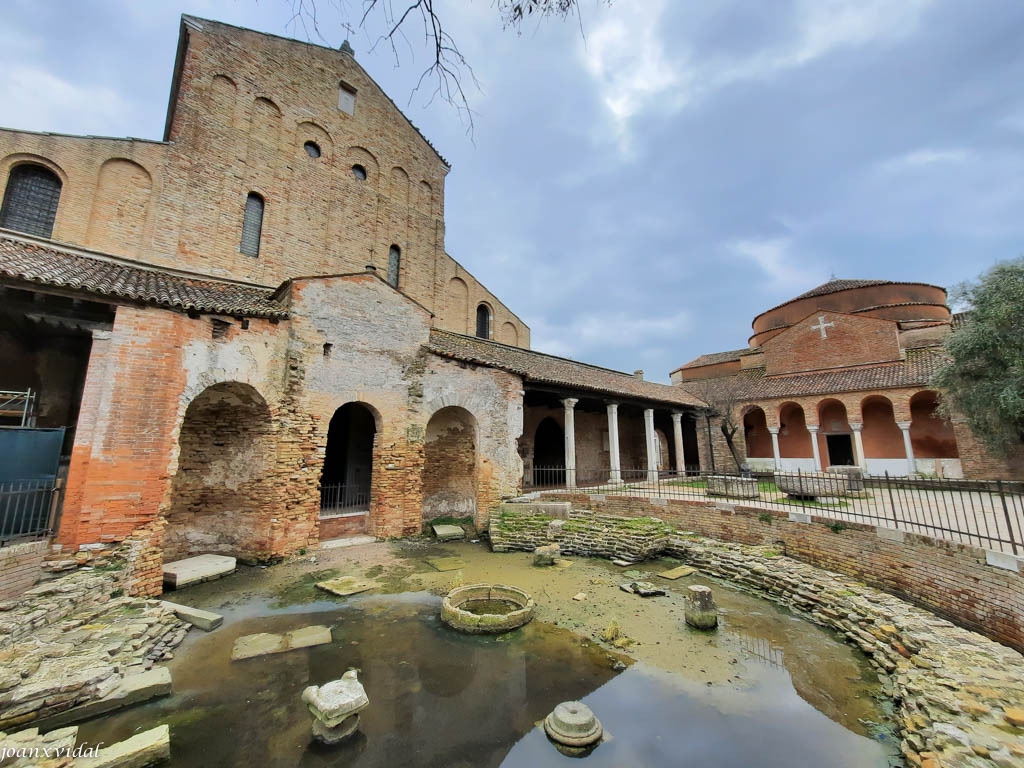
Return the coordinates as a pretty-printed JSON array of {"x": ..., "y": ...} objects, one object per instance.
[
  {"x": 1006, "y": 514},
  {"x": 892, "y": 502}
]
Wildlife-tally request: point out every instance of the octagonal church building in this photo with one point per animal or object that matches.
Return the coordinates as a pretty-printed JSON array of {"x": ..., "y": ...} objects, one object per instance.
[
  {"x": 840, "y": 375},
  {"x": 247, "y": 335}
]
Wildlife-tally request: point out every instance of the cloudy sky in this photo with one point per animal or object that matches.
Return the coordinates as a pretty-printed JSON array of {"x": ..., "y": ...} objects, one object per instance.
[{"x": 638, "y": 192}]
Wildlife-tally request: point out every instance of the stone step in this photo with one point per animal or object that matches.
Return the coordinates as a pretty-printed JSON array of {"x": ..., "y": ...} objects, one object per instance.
[
  {"x": 193, "y": 570},
  {"x": 132, "y": 690},
  {"x": 205, "y": 620},
  {"x": 143, "y": 749},
  {"x": 346, "y": 541}
]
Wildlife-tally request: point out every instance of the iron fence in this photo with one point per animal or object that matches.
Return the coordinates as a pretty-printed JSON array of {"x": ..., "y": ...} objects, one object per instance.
[
  {"x": 28, "y": 509},
  {"x": 341, "y": 497},
  {"x": 983, "y": 513}
]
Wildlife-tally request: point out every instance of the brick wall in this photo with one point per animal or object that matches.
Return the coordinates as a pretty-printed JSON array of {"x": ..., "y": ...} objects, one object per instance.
[
  {"x": 245, "y": 106},
  {"x": 949, "y": 579},
  {"x": 20, "y": 567},
  {"x": 851, "y": 340}
]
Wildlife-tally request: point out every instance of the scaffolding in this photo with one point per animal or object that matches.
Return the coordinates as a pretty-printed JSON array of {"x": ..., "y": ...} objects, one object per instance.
[{"x": 19, "y": 406}]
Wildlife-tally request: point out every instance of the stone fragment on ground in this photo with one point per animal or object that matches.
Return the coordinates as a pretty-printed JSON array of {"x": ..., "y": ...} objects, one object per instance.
[
  {"x": 622, "y": 563},
  {"x": 346, "y": 585},
  {"x": 197, "y": 617},
  {"x": 193, "y": 570},
  {"x": 266, "y": 643},
  {"x": 133, "y": 689},
  {"x": 449, "y": 532},
  {"x": 446, "y": 563},
  {"x": 546, "y": 555},
  {"x": 678, "y": 572},
  {"x": 143, "y": 749},
  {"x": 641, "y": 588},
  {"x": 347, "y": 541},
  {"x": 580, "y": 596},
  {"x": 562, "y": 563}
]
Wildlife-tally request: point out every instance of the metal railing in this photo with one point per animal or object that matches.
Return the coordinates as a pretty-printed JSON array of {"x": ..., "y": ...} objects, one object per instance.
[
  {"x": 983, "y": 513},
  {"x": 28, "y": 509},
  {"x": 338, "y": 498}
]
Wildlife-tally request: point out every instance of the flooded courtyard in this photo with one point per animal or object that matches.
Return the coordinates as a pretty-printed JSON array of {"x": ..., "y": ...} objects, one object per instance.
[{"x": 766, "y": 688}]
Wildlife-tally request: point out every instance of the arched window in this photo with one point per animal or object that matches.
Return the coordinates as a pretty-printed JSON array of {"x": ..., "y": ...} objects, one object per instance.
[
  {"x": 30, "y": 202},
  {"x": 483, "y": 321},
  {"x": 252, "y": 225},
  {"x": 394, "y": 265}
]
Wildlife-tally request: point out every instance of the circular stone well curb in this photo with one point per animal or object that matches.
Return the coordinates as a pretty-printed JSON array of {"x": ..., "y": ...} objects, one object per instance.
[{"x": 486, "y": 623}]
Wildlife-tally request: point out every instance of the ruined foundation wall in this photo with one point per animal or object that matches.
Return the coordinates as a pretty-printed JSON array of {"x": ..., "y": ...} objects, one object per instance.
[{"x": 952, "y": 580}]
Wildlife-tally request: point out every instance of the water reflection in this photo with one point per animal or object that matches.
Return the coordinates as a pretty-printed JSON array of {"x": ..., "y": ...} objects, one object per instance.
[{"x": 441, "y": 698}]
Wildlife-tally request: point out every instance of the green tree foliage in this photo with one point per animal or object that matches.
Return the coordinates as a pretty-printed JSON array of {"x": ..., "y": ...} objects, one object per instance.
[{"x": 984, "y": 378}]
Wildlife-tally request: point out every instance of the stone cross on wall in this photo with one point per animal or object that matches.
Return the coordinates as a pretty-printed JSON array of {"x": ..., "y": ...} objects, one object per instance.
[{"x": 821, "y": 326}]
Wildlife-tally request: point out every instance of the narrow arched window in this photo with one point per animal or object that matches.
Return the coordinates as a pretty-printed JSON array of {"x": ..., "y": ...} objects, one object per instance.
[
  {"x": 483, "y": 321},
  {"x": 252, "y": 225},
  {"x": 31, "y": 199},
  {"x": 394, "y": 265}
]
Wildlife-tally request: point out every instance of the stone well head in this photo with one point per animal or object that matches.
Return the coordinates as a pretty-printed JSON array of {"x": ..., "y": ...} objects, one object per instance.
[{"x": 460, "y": 608}]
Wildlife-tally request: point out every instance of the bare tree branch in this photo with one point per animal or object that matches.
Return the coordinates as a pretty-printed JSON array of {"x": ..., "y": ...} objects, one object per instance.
[
  {"x": 448, "y": 69},
  {"x": 724, "y": 398}
]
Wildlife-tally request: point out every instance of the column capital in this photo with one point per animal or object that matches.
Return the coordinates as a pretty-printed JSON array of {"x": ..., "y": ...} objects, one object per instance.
[
  {"x": 813, "y": 428},
  {"x": 677, "y": 416},
  {"x": 904, "y": 425},
  {"x": 856, "y": 426},
  {"x": 570, "y": 403},
  {"x": 612, "y": 405},
  {"x": 648, "y": 411},
  {"x": 774, "y": 430}
]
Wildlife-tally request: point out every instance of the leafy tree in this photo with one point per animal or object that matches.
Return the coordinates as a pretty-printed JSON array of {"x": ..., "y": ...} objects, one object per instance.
[{"x": 984, "y": 378}]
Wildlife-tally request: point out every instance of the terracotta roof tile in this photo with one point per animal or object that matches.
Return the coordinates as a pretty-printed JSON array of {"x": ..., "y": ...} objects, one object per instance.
[
  {"x": 714, "y": 358},
  {"x": 835, "y": 286},
  {"x": 916, "y": 370},
  {"x": 52, "y": 265},
  {"x": 548, "y": 369}
]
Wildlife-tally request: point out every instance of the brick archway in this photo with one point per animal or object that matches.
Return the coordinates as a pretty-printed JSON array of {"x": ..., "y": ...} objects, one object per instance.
[
  {"x": 450, "y": 470},
  {"x": 222, "y": 495}
]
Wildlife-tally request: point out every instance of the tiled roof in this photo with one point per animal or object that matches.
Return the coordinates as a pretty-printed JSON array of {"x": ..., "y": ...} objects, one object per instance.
[
  {"x": 835, "y": 286},
  {"x": 548, "y": 369},
  {"x": 916, "y": 370},
  {"x": 716, "y": 357},
  {"x": 46, "y": 264}
]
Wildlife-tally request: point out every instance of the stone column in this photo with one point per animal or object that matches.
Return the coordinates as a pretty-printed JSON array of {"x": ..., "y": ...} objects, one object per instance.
[
  {"x": 570, "y": 441},
  {"x": 613, "y": 444},
  {"x": 677, "y": 435},
  {"x": 652, "y": 458},
  {"x": 813, "y": 429},
  {"x": 911, "y": 464},
  {"x": 858, "y": 446},
  {"x": 775, "y": 448}
]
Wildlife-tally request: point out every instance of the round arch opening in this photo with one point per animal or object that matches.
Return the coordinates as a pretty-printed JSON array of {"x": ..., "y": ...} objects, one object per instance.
[{"x": 450, "y": 465}]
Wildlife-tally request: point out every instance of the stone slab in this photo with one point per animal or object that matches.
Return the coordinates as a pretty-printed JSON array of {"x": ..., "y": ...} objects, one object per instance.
[
  {"x": 307, "y": 637},
  {"x": 251, "y": 646},
  {"x": 449, "y": 532},
  {"x": 623, "y": 563},
  {"x": 345, "y": 585},
  {"x": 1005, "y": 561},
  {"x": 347, "y": 541},
  {"x": 193, "y": 570},
  {"x": 144, "y": 749},
  {"x": 890, "y": 534},
  {"x": 446, "y": 563},
  {"x": 799, "y": 517},
  {"x": 132, "y": 690},
  {"x": 678, "y": 572},
  {"x": 561, "y": 562},
  {"x": 197, "y": 617},
  {"x": 265, "y": 643}
]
